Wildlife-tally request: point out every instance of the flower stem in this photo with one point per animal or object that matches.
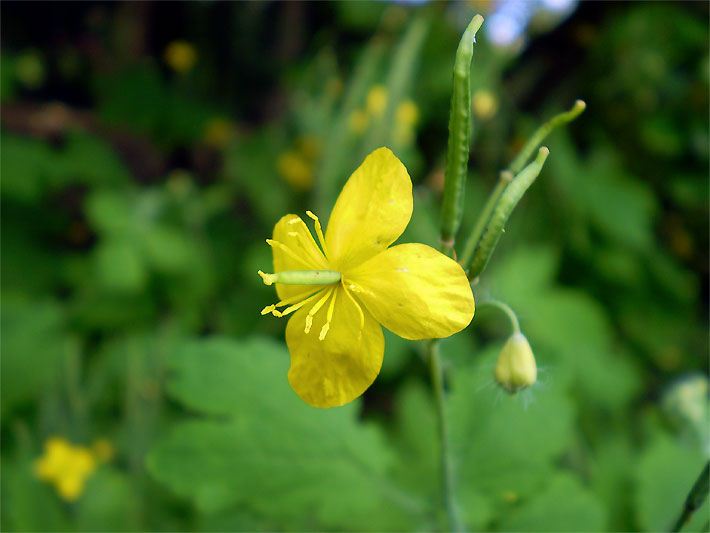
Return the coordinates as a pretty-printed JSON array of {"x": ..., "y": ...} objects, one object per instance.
[
  {"x": 445, "y": 462},
  {"x": 512, "y": 317},
  {"x": 695, "y": 498}
]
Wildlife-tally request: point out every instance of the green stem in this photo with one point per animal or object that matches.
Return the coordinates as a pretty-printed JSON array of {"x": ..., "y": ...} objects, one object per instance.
[
  {"x": 446, "y": 465},
  {"x": 503, "y": 180},
  {"x": 512, "y": 317},
  {"x": 459, "y": 138},
  {"x": 695, "y": 498},
  {"x": 542, "y": 132}
]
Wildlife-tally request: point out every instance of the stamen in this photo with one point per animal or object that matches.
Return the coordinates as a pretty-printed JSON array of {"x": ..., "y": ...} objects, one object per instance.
[
  {"x": 295, "y": 307},
  {"x": 319, "y": 231},
  {"x": 308, "y": 244},
  {"x": 287, "y": 301},
  {"x": 329, "y": 318},
  {"x": 359, "y": 310},
  {"x": 285, "y": 248},
  {"x": 320, "y": 303}
]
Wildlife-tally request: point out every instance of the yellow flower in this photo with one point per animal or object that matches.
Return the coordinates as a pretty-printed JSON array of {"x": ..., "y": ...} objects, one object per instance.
[
  {"x": 376, "y": 101},
  {"x": 181, "y": 56},
  {"x": 218, "y": 132},
  {"x": 66, "y": 466},
  {"x": 340, "y": 293},
  {"x": 485, "y": 104},
  {"x": 357, "y": 121},
  {"x": 406, "y": 119},
  {"x": 295, "y": 169}
]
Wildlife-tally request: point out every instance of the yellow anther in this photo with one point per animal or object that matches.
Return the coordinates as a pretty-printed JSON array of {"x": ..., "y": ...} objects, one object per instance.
[
  {"x": 359, "y": 310},
  {"x": 329, "y": 318},
  {"x": 295, "y": 307},
  {"x": 268, "y": 279},
  {"x": 319, "y": 231},
  {"x": 285, "y": 248},
  {"x": 320, "y": 303},
  {"x": 287, "y": 301}
]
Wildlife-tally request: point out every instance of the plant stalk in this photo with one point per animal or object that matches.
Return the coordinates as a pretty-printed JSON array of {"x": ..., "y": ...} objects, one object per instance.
[{"x": 445, "y": 461}]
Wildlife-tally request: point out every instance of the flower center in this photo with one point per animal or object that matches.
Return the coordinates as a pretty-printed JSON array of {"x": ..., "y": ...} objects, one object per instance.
[{"x": 325, "y": 285}]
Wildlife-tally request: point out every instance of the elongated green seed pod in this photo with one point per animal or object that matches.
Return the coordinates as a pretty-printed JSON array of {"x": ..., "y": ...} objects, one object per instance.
[
  {"x": 503, "y": 209},
  {"x": 459, "y": 137},
  {"x": 543, "y": 131}
]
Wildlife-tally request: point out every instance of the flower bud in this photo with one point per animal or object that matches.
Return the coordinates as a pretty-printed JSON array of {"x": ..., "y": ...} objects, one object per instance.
[{"x": 516, "y": 368}]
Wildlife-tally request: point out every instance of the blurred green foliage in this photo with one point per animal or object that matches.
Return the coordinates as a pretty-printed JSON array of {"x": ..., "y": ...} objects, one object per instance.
[{"x": 136, "y": 196}]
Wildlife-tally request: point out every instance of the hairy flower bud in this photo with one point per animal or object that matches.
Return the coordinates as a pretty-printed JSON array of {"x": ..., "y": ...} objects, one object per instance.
[{"x": 516, "y": 368}]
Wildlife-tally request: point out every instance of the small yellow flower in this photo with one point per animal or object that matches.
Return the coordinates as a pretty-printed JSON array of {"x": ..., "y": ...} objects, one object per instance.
[
  {"x": 180, "y": 56},
  {"x": 485, "y": 104},
  {"x": 340, "y": 293},
  {"x": 218, "y": 132},
  {"x": 406, "y": 119},
  {"x": 376, "y": 101},
  {"x": 357, "y": 121},
  {"x": 407, "y": 114},
  {"x": 65, "y": 466},
  {"x": 295, "y": 169}
]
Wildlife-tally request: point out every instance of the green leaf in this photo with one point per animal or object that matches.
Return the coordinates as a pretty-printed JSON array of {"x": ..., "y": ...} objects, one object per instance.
[
  {"x": 264, "y": 449},
  {"x": 23, "y": 165},
  {"x": 108, "y": 501},
  {"x": 33, "y": 344},
  {"x": 504, "y": 448},
  {"x": 564, "y": 505},
  {"x": 28, "y": 503},
  {"x": 666, "y": 472}
]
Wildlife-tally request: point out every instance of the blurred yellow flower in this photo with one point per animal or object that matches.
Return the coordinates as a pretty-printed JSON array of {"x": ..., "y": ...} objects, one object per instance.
[
  {"x": 218, "y": 132},
  {"x": 359, "y": 283},
  {"x": 406, "y": 119},
  {"x": 295, "y": 169},
  {"x": 357, "y": 121},
  {"x": 65, "y": 466},
  {"x": 297, "y": 166},
  {"x": 485, "y": 104},
  {"x": 376, "y": 102},
  {"x": 180, "y": 56}
]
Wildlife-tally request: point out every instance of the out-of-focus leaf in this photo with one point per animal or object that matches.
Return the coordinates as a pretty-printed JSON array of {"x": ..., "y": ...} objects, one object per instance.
[
  {"x": 564, "y": 505},
  {"x": 119, "y": 266},
  {"x": 263, "y": 448},
  {"x": 23, "y": 165},
  {"x": 666, "y": 472},
  {"x": 33, "y": 344},
  {"x": 29, "y": 504},
  {"x": 503, "y": 448},
  {"x": 108, "y": 498}
]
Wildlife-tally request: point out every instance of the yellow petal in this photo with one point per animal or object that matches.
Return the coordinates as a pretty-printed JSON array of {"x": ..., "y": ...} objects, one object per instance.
[
  {"x": 372, "y": 210},
  {"x": 339, "y": 368},
  {"x": 295, "y": 249},
  {"x": 415, "y": 291}
]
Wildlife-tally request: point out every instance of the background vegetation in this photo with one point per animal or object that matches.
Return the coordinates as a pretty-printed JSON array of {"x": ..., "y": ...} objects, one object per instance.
[{"x": 148, "y": 149}]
